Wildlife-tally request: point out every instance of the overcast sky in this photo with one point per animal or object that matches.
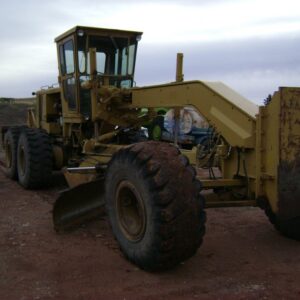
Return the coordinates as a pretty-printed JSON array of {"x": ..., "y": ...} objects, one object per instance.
[{"x": 251, "y": 45}]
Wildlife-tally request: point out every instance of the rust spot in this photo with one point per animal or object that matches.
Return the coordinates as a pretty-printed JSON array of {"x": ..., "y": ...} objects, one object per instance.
[{"x": 294, "y": 141}]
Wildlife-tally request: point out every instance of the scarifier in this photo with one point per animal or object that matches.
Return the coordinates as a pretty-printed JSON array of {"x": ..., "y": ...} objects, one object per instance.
[{"x": 92, "y": 127}]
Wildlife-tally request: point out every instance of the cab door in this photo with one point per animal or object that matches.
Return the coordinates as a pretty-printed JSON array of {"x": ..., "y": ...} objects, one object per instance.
[{"x": 68, "y": 74}]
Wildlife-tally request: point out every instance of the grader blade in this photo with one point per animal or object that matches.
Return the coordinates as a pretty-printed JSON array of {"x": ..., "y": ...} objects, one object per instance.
[{"x": 79, "y": 204}]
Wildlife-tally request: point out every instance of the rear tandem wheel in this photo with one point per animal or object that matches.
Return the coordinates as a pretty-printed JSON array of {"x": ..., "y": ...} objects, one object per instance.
[
  {"x": 154, "y": 205},
  {"x": 10, "y": 146},
  {"x": 34, "y": 158}
]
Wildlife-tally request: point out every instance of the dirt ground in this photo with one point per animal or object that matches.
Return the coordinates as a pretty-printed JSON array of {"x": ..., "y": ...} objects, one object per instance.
[{"x": 242, "y": 256}]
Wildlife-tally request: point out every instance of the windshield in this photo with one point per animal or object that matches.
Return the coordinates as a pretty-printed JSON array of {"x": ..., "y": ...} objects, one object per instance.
[{"x": 115, "y": 58}]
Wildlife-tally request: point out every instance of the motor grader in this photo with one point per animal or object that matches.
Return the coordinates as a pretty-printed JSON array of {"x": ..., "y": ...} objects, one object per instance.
[{"x": 92, "y": 127}]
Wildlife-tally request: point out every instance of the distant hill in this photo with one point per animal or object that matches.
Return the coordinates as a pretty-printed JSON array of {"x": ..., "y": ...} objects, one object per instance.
[{"x": 6, "y": 100}]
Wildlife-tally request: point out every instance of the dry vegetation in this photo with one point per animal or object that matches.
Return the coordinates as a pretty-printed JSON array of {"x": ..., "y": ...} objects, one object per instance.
[{"x": 15, "y": 113}]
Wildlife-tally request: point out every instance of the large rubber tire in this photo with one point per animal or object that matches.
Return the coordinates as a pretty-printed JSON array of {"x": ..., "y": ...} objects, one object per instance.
[
  {"x": 289, "y": 228},
  {"x": 154, "y": 205},
  {"x": 10, "y": 146},
  {"x": 35, "y": 158}
]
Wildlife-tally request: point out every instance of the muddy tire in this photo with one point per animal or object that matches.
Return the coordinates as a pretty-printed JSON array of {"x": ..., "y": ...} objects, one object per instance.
[
  {"x": 291, "y": 228},
  {"x": 34, "y": 158},
  {"x": 154, "y": 206},
  {"x": 10, "y": 146},
  {"x": 288, "y": 227}
]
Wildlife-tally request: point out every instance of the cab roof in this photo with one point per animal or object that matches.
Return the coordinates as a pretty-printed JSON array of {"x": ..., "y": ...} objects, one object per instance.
[{"x": 98, "y": 31}]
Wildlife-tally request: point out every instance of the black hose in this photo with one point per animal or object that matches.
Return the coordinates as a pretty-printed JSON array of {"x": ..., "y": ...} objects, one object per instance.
[
  {"x": 238, "y": 162},
  {"x": 247, "y": 178}
]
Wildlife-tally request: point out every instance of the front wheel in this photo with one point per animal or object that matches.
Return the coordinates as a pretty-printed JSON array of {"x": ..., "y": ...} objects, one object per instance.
[{"x": 154, "y": 206}]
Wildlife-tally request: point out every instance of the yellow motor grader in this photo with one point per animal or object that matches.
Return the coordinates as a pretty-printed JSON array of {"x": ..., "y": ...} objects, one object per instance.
[{"x": 92, "y": 127}]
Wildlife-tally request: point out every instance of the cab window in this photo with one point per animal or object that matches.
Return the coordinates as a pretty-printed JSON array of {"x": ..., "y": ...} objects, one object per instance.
[{"x": 67, "y": 57}]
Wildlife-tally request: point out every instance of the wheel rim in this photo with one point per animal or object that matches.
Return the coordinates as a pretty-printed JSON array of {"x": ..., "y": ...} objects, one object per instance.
[
  {"x": 8, "y": 155},
  {"x": 156, "y": 133},
  {"x": 22, "y": 161},
  {"x": 130, "y": 211}
]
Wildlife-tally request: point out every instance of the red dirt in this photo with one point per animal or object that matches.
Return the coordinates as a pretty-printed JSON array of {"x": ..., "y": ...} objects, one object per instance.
[{"x": 242, "y": 257}]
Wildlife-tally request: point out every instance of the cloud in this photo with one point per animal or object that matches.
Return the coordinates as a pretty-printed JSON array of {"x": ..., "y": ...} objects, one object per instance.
[
  {"x": 254, "y": 67},
  {"x": 252, "y": 45}
]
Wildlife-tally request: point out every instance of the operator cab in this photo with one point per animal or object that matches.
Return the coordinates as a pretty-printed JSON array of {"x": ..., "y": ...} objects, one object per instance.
[{"x": 115, "y": 63}]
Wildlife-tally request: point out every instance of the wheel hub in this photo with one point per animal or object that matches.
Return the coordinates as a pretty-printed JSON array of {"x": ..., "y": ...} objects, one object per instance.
[
  {"x": 8, "y": 155},
  {"x": 130, "y": 211},
  {"x": 22, "y": 161}
]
